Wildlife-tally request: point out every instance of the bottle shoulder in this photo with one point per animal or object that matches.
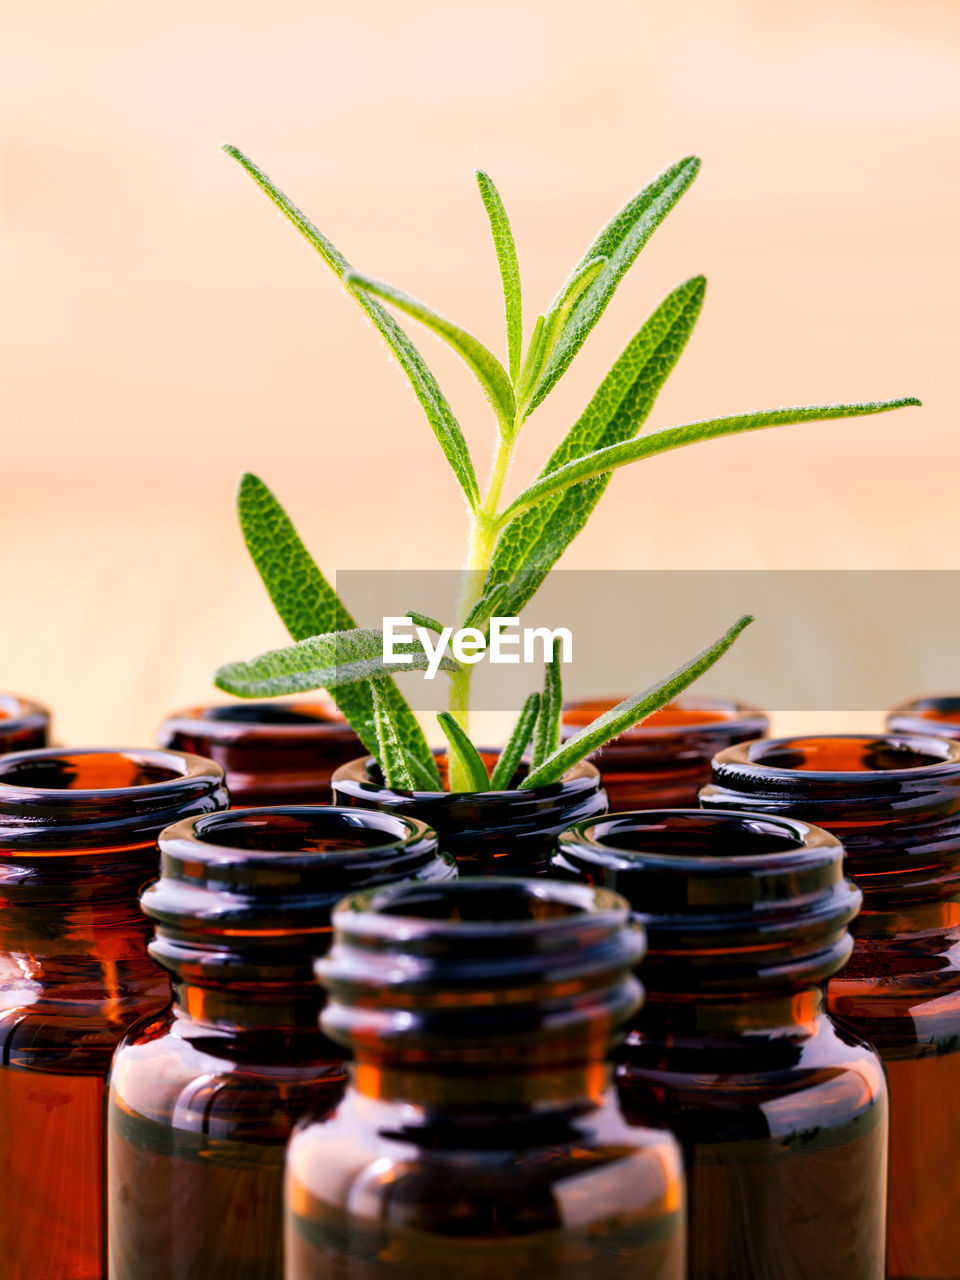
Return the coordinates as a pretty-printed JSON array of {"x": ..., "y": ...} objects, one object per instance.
[
  {"x": 172, "y": 1073},
  {"x": 377, "y": 1161}
]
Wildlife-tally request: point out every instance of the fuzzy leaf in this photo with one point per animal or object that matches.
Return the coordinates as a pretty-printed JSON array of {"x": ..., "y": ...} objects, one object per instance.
[
  {"x": 309, "y": 606},
  {"x": 487, "y": 606},
  {"x": 620, "y": 241},
  {"x": 506, "y": 249},
  {"x": 471, "y": 763},
  {"x": 546, "y": 737},
  {"x": 390, "y": 752},
  {"x": 603, "y": 461},
  {"x": 553, "y": 324},
  {"x": 322, "y": 662},
  {"x": 489, "y": 372},
  {"x": 630, "y": 712},
  {"x": 529, "y": 546},
  {"x": 424, "y": 620},
  {"x": 512, "y": 753},
  {"x": 425, "y": 387}
]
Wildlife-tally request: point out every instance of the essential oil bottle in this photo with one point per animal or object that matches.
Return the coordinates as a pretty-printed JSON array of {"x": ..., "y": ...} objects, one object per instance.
[
  {"x": 271, "y": 752},
  {"x": 663, "y": 762},
  {"x": 203, "y": 1097},
  {"x": 78, "y": 836},
  {"x": 781, "y": 1114},
  {"x": 894, "y": 802},
  {"x": 479, "y": 1136},
  {"x": 24, "y": 724}
]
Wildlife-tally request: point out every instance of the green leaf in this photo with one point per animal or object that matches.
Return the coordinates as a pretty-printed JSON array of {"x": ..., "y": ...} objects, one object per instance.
[
  {"x": 309, "y": 606},
  {"x": 423, "y": 779},
  {"x": 546, "y": 737},
  {"x": 605, "y": 460},
  {"x": 506, "y": 249},
  {"x": 489, "y": 371},
  {"x": 554, "y": 321},
  {"x": 322, "y": 662},
  {"x": 425, "y": 387},
  {"x": 620, "y": 241},
  {"x": 512, "y": 753},
  {"x": 630, "y": 712},
  {"x": 529, "y": 546},
  {"x": 467, "y": 754},
  {"x": 423, "y": 620},
  {"x": 390, "y": 752},
  {"x": 487, "y": 606}
]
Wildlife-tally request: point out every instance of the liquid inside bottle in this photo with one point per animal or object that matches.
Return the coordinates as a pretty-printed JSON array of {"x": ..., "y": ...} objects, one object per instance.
[
  {"x": 204, "y": 1097},
  {"x": 479, "y": 1135}
]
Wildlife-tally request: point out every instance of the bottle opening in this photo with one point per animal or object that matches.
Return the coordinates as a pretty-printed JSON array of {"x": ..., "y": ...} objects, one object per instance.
[
  {"x": 487, "y": 902},
  {"x": 693, "y": 833},
  {"x": 269, "y": 713},
  {"x": 850, "y": 754},
  {"x": 303, "y": 830},
  {"x": 86, "y": 771}
]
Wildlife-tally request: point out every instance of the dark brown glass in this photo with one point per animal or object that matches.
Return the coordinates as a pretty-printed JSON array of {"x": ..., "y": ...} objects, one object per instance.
[
  {"x": 939, "y": 716},
  {"x": 894, "y": 802},
  {"x": 272, "y": 752},
  {"x": 203, "y": 1097},
  {"x": 479, "y": 1137},
  {"x": 24, "y": 725},
  {"x": 781, "y": 1113},
  {"x": 488, "y": 832},
  {"x": 663, "y": 762},
  {"x": 78, "y": 836}
]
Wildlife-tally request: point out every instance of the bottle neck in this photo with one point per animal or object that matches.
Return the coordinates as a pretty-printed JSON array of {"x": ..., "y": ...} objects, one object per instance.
[
  {"x": 573, "y": 1086},
  {"x": 731, "y": 1017},
  {"x": 290, "y": 1008}
]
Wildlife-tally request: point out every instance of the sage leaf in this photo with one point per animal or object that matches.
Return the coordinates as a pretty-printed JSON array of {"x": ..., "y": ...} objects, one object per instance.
[
  {"x": 506, "y": 251},
  {"x": 390, "y": 752},
  {"x": 490, "y": 373},
  {"x": 546, "y": 737},
  {"x": 439, "y": 414},
  {"x": 602, "y": 461},
  {"x": 512, "y": 753},
  {"x": 309, "y": 606},
  {"x": 487, "y": 605},
  {"x": 620, "y": 241},
  {"x": 530, "y": 545},
  {"x": 630, "y": 712},
  {"x": 321, "y": 662},
  {"x": 423, "y": 779},
  {"x": 467, "y": 754}
]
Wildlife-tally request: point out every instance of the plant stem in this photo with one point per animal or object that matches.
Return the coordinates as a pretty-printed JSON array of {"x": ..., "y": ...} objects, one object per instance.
[{"x": 484, "y": 526}]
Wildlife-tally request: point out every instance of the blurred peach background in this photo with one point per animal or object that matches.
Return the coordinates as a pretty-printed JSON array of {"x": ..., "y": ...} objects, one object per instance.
[{"x": 162, "y": 330}]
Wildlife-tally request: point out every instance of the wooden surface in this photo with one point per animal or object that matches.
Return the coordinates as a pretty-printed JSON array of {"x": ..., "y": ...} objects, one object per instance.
[{"x": 161, "y": 331}]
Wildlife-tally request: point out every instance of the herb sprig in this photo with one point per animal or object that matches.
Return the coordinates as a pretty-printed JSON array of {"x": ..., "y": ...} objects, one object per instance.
[{"x": 512, "y": 545}]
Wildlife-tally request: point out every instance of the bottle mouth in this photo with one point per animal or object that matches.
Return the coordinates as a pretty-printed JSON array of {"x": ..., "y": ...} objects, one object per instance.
[
  {"x": 272, "y": 875},
  {"x": 21, "y": 715},
  {"x": 269, "y": 720},
  {"x": 837, "y": 763},
  {"x": 686, "y": 714},
  {"x": 730, "y": 899},
  {"x": 480, "y": 965},
  {"x": 939, "y": 715},
  {"x": 107, "y": 798},
  {"x": 362, "y": 778}
]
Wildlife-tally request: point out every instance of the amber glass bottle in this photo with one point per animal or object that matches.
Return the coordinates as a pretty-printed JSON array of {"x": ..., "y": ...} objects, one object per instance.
[
  {"x": 24, "y": 725},
  {"x": 77, "y": 842},
  {"x": 488, "y": 832},
  {"x": 663, "y": 762},
  {"x": 894, "y": 802},
  {"x": 203, "y": 1096},
  {"x": 479, "y": 1137},
  {"x": 781, "y": 1113},
  {"x": 940, "y": 716},
  {"x": 272, "y": 752}
]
